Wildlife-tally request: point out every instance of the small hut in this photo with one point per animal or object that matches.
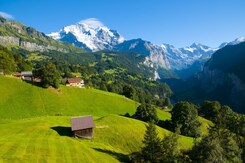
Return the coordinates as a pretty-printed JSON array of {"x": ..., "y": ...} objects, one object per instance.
[{"x": 82, "y": 127}]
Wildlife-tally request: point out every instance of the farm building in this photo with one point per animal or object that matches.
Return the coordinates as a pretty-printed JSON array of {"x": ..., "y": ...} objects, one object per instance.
[
  {"x": 78, "y": 82},
  {"x": 82, "y": 127},
  {"x": 27, "y": 75}
]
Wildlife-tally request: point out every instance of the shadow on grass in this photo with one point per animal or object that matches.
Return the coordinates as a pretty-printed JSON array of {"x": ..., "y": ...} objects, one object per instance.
[
  {"x": 165, "y": 124},
  {"x": 63, "y": 131},
  {"x": 120, "y": 157}
]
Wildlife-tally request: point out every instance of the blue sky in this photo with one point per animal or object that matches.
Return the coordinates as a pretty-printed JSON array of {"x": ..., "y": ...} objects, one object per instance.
[{"x": 177, "y": 22}]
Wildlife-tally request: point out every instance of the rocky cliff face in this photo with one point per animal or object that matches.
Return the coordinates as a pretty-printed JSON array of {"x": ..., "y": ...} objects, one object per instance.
[
  {"x": 154, "y": 55},
  {"x": 15, "y": 41},
  {"x": 16, "y": 34},
  {"x": 225, "y": 87},
  {"x": 8, "y": 40},
  {"x": 223, "y": 77}
]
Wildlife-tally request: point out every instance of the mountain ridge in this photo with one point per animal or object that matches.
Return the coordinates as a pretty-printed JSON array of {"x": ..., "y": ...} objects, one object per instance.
[{"x": 92, "y": 35}]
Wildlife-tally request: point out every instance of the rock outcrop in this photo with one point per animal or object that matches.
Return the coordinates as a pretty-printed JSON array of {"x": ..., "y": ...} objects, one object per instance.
[{"x": 15, "y": 41}]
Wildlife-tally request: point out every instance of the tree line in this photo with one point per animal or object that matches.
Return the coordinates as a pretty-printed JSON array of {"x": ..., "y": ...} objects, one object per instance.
[{"x": 224, "y": 143}]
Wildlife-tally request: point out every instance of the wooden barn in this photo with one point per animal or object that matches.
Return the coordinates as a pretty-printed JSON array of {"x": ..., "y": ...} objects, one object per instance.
[{"x": 82, "y": 127}]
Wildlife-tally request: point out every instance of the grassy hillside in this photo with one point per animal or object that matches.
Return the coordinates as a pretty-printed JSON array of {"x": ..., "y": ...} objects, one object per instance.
[
  {"x": 35, "y": 124},
  {"x": 21, "y": 100},
  {"x": 47, "y": 139}
]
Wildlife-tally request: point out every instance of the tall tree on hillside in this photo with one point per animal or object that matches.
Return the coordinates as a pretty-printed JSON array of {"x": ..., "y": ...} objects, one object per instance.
[
  {"x": 184, "y": 115},
  {"x": 152, "y": 150},
  {"x": 167, "y": 102},
  {"x": 146, "y": 112},
  {"x": 50, "y": 76},
  {"x": 129, "y": 92},
  {"x": 211, "y": 109},
  {"x": 170, "y": 150}
]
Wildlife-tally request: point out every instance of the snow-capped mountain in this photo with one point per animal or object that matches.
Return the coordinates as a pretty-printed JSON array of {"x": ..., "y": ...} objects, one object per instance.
[
  {"x": 235, "y": 42},
  {"x": 92, "y": 35},
  {"x": 168, "y": 57},
  {"x": 89, "y": 34},
  {"x": 182, "y": 58}
]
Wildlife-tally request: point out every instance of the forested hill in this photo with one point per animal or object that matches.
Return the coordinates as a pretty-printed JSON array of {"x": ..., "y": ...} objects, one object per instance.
[{"x": 119, "y": 72}]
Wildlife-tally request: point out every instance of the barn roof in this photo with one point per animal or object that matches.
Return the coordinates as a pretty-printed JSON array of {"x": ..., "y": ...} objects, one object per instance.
[
  {"x": 79, "y": 123},
  {"x": 74, "y": 80},
  {"x": 26, "y": 73}
]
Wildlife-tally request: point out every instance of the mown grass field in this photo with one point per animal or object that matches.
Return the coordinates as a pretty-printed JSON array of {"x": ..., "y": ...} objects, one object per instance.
[
  {"x": 21, "y": 100},
  {"x": 35, "y": 124},
  {"x": 48, "y": 139}
]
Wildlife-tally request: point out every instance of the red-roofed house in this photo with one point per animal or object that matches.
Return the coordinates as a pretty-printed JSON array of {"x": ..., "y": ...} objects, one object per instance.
[
  {"x": 82, "y": 127},
  {"x": 78, "y": 82}
]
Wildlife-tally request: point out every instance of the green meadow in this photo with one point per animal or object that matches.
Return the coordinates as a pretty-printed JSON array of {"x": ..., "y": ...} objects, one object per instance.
[
  {"x": 35, "y": 124},
  {"x": 22, "y": 100}
]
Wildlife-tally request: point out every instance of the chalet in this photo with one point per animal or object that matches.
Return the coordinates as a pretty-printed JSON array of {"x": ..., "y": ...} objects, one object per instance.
[
  {"x": 27, "y": 75},
  {"x": 78, "y": 82},
  {"x": 82, "y": 127}
]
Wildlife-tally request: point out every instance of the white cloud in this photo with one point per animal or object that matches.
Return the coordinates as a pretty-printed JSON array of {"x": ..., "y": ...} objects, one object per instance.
[
  {"x": 5, "y": 15},
  {"x": 92, "y": 22}
]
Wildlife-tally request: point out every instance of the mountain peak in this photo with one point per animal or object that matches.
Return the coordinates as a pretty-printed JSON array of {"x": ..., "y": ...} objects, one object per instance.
[
  {"x": 90, "y": 34},
  {"x": 197, "y": 44},
  {"x": 237, "y": 41}
]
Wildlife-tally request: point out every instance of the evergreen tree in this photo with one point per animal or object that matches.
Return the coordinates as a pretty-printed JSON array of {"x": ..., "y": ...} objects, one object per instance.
[
  {"x": 243, "y": 152},
  {"x": 232, "y": 153},
  {"x": 170, "y": 150},
  {"x": 218, "y": 147},
  {"x": 152, "y": 150},
  {"x": 167, "y": 102}
]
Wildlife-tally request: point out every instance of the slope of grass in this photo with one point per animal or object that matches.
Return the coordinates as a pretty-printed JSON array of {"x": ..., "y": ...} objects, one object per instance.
[
  {"x": 21, "y": 100},
  {"x": 205, "y": 125},
  {"x": 35, "y": 124},
  {"x": 48, "y": 139}
]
